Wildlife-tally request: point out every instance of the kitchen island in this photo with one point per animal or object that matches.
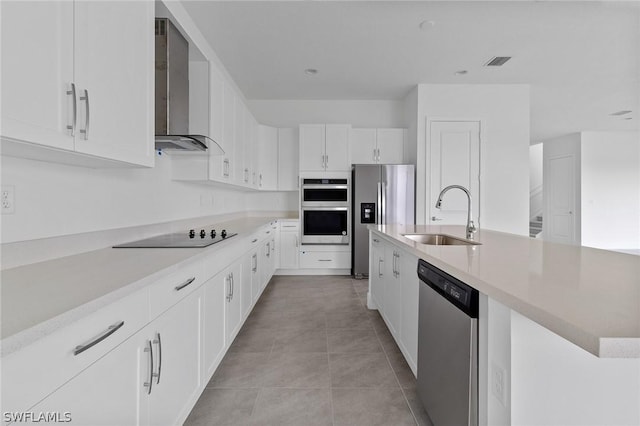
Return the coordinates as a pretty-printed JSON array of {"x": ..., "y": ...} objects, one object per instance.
[{"x": 559, "y": 325}]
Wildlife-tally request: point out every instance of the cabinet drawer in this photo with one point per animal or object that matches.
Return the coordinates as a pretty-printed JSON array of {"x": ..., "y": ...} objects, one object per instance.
[
  {"x": 325, "y": 259},
  {"x": 40, "y": 368},
  {"x": 290, "y": 226},
  {"x": 174, "y": 287}
]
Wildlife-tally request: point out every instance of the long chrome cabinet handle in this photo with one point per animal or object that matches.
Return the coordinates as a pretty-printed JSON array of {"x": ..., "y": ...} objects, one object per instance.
[
  {"x": 326, "y": 161},
  {"x": 380, "y": 260},
  {"x": 112, "y": 329},
  {"x": 72, "y": 93},
  {"x": 149, "y": 384},
  {"x": 397, "y": 264},
  {"x": 158, "y": 342},
  {"x": 254, "y": 240},
  {"x": 233, "y": 286},
  {"x": 378, "y": 154},
  {"x": 255, "y": 257},
  {"x": 324, "y": 260},
  {"x": 184, "y": 284},
  {"x": 87, "y": 115}
]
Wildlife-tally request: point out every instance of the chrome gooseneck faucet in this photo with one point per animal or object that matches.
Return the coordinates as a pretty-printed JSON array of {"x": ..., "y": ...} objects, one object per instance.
[{"x": 471, "y": 228}]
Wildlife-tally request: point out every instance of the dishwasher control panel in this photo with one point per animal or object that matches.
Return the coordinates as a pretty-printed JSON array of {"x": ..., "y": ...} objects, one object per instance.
[{"x": 455, "y": 291}]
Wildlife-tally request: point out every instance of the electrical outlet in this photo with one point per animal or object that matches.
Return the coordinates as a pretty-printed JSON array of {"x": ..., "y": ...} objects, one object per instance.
[
  {"x": 499, "y": 383},
  {"x": 8, "y": 199}
]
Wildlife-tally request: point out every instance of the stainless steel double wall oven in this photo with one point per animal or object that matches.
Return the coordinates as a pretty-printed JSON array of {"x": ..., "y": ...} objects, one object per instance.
[{"x": 326, "y": 218}]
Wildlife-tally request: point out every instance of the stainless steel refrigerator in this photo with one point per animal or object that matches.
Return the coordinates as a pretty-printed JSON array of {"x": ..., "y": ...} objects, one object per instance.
[{"x": 382, "y": 194}]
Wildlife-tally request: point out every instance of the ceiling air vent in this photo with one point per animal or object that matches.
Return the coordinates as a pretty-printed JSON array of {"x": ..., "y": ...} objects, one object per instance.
[{"x": 497, "y": 61}]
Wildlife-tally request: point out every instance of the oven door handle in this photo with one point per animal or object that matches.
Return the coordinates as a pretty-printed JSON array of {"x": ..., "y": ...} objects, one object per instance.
[
  {"x": 319, "y": 208},
  {"x": 319, "y": 186}
]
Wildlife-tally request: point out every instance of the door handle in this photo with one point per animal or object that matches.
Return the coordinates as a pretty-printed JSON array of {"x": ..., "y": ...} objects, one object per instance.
[
  {"x": 74, "y": 120},
  {"x": 435, "y": 218},
  {"x": 158, "y": 342},
  {"x": 108, "y": 332},
  {"x": 149, "y": 384},
  {"x": 87, "y": 115},
  {"x": 184, "y": 284},
  {"x": 380, "y": 260}
]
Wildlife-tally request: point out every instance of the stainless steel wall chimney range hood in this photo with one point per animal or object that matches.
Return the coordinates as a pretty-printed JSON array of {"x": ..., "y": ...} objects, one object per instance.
[{"x": 172, "y": 94}]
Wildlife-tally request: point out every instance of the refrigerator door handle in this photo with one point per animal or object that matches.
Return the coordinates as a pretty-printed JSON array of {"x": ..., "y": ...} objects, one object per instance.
[
  {"x": 379, "y": 205},
  {"x": 383, "y": 203}
]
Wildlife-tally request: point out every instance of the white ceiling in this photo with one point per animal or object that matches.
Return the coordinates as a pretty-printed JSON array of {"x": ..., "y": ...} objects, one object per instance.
[{"x": 580, "y": 58}]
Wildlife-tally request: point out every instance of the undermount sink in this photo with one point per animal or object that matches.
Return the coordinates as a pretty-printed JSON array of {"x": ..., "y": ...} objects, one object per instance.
[{"x": 439, "y": 240}]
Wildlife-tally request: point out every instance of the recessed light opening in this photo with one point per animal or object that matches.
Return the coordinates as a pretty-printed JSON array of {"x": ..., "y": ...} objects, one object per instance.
[
  {"x": 497, "y": 61},
  {"x": 311, "y": 71}
]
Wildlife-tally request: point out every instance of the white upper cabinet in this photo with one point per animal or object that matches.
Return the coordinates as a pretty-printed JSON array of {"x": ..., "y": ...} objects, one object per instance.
[
  {"x": 79, "y": 76},
  {"x": 390, "y": 145},
  {"x": 37, "y": 72},
  {"x": 324, "y": 147},
  {"x": 377, "y": 146},
  {"x": 363, "y": 146},
  {"x": 288, "y": 176},
  {"x": 239, "y": 142},
  {"x": 228, "y": 129},
  {"x": 268, "y": 158}
]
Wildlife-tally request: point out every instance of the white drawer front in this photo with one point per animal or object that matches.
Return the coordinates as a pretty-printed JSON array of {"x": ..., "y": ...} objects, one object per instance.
[
  {"x": 40, "y": 368},
  {"x": 171, "y": 289},
  {"x": 323, "y": 260},
  {"x": 290, "y": 226}
]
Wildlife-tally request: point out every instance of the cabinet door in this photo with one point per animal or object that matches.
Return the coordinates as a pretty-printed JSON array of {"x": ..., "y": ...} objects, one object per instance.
[
  {"x": 217, "y": 163},
  {"x": 245, "y": 284},
  {"x": 289, "y": 250},
  {"x": 213, "y": 324},
  {"x": 239, "y": 143},
  {"x": 249, "y": 148},
  {"x": 37, "y": 72},
  {"x": 176, "y": 338},
  {"x": 106, "y": 393},
  {"x": 410, "y": 290},
  {"x": 233, "y": 299},
  {"x": 362, "y": 145},
  {"x": 392, "y": 292},
  {"x": 256, "y": 274},
  {"x": 337, "y": 147},
  {"x": 288, "y": 157},
  {"x": 268, "y": 153},
  {"x": 114, "y": 63},
  {"x": 390, "y": 145},
  {"x": 228, "y": 129},
  {"x": 377, "y": 274},
  {"x": 265, "y": 264},
  {"x": 312, "y": 147}
]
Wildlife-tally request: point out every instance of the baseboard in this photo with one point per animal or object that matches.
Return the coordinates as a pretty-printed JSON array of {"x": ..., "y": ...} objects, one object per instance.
[{"x": 325, "y": 271}]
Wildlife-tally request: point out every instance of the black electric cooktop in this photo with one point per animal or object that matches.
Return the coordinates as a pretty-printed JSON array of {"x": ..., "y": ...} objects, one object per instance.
[{"x": 180, "y": 240}]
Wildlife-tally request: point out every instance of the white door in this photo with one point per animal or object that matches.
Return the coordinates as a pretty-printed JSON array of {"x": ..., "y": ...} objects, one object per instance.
[
  {"x": 106, "y": 393},
  {"x": 560, "y": 177},
  {"x": 289, "y": 247},
  {"x": 213, "y": 325},
  {"x": 362, "y": 145},
  {"x": 233, "y": 320},
  {"x": 454, "y": 159},
  {"x": 390, "y": 146},
  {"x": 312, "y": 148},
  {"x": 37, "y": 72},
  {"x": 176, "y": 336},
  {"x": 268, "y": 154},
  {"x": 114, "y": 57},
  {"x": 288, "y": 158},
  {"x": 337, "y": 147},
  {"x": 392, "y": 291}
]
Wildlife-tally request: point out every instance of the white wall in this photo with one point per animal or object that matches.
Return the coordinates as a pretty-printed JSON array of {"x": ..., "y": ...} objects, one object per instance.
[
  {"x": 554, "y": 382},
  {"x": 291, "y": 113},
  {"x": 504, "y": 113},
  {"x": 53, "y": 199},
  {"x": 610, "y": 178}
]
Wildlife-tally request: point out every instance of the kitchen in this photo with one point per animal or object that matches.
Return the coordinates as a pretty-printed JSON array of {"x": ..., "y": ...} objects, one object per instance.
[{"x": 65, "y": 210}]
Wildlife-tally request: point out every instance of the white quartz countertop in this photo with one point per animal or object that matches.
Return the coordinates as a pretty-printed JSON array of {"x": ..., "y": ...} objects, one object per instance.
[
  {"x": 588, "y": 296},
  {"x": 39, "y": 298}
]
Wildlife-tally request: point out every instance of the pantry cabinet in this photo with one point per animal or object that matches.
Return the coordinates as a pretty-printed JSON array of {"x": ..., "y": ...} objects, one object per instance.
[
  {"x": 377, "y": 146},
  {"x": 324, "y": 147},
  {"x": 65, "y": 86}
]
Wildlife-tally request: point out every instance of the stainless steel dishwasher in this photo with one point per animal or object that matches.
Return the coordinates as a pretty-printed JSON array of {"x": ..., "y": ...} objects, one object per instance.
[{"x": 447, "y": 348}]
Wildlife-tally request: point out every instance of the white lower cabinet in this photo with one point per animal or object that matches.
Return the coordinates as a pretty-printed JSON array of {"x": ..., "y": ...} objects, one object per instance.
[
  {"x": 394, "y": 289},
  {"x": 289, "y": 245},
  {"x": 244, "y": 284},
  {"x": 213, "y": 327},
  {"x": 107, "y": 393},
  {"x": 175, "y": 340},
  {"x": 232, "y": 278}
]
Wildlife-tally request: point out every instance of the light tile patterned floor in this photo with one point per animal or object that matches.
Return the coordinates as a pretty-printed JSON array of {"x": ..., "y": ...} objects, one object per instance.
[{"x": 311, "y": 353}]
